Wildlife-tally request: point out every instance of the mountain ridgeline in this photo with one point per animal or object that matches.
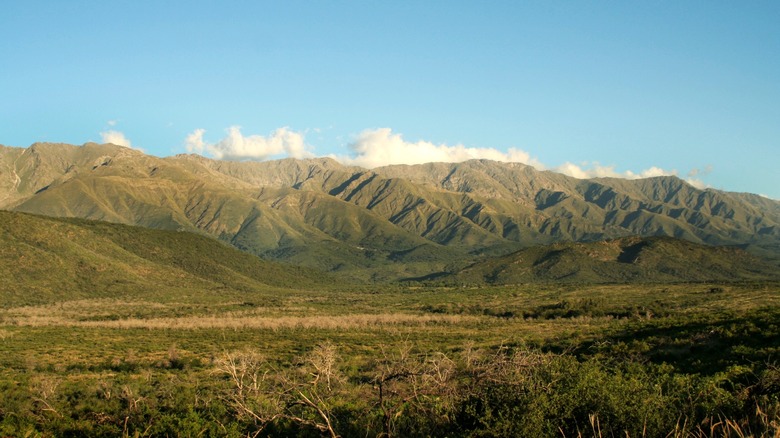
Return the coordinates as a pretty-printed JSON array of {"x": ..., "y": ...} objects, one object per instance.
[{"x": 387, "y": 223}]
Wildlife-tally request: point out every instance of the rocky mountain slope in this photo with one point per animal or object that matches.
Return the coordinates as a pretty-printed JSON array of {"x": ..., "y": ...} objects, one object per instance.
[{"x": 322, "y": 214}]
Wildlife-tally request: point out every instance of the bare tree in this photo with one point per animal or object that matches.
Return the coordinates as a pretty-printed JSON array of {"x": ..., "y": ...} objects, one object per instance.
[
  {"x": 300, "y": 394},
  {"x": 405, "y": 379},
  {"x": 250, "y": 392}
]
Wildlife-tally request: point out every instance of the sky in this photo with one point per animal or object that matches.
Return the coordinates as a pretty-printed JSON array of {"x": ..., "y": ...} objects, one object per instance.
[{"x": 626, "y": 89}]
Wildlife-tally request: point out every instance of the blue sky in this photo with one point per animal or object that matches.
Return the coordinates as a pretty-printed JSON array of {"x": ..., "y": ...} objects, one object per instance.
[{"x": 588, "y": 88}]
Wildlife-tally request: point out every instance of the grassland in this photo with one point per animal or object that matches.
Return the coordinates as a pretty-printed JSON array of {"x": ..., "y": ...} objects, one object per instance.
[
  {"x": 109, "y": 330},
  {"x": 536, "y": 360}
]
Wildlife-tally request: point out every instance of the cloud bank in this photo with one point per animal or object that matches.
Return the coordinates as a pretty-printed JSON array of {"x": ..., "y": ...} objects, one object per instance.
[
  {"x": 596, "y": 170},
  {"x": 381, "y": 147},
  {"x": 235, "y": 146}
]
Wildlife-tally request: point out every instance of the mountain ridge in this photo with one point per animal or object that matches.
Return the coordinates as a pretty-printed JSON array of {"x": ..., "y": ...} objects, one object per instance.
[{"x": 320, "y": 213}]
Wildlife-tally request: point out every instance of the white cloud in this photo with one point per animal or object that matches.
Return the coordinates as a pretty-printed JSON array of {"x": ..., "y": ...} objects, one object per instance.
[
  {"x": 235, "y": 146},
  {"x": 380, "y": 147},
  {"x": 596, "y": 170},
  {"x": 194, "y": 141},
  {"x": 694, "y": 177},
  {"x": 699, "y": 184},
  {"x": 700, "y": 172},
  {"x": 115, "y": 137}
]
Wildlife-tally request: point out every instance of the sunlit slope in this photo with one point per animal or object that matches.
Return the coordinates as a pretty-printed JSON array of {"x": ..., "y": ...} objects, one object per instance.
[
  {"x": 48, "y": 260},
  {"x": 479, "y": 204},
  {"x": 384, "y": 223}
]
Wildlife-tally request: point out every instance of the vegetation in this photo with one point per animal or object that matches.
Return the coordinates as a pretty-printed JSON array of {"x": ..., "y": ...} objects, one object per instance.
[
  {"x": 554, "y": 360},
  {"x": 630, "y": 259},
  {"x": 45, "y": 260},
  {"x": 110, "y": 330}
]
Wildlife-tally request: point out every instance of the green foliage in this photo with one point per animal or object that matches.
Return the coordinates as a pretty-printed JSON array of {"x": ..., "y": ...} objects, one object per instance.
[
  {"x": 42, "y": 257},
  {"x": 405, "y": 392},
  {"x": 124, "y": 336},
  {"x": 624, "y": 260}
]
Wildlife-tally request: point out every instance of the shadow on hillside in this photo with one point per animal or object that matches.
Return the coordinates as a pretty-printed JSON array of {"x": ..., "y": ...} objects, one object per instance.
[{"x": 709, "y": 345}]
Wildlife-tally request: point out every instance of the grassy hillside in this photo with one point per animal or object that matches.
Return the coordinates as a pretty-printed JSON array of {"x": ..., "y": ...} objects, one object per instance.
[
  {"x": 634, "y": 259},
  {"x": 46, "y": 260}
]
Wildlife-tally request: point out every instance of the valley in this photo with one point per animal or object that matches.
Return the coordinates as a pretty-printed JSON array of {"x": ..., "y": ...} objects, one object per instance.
[
  {"x": 683, "y": 359},
  {"x": 365, "y": 219},
  {"x": 110, "y": 330},
  {"x": 190, "y": 297}
]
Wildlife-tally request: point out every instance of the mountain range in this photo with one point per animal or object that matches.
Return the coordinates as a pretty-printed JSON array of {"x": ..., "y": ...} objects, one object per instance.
[{"x": 391, "y": 222}]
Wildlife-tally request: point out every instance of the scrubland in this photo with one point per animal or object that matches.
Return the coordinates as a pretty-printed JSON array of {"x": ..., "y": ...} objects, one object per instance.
[{"x": 531, "y": 360}]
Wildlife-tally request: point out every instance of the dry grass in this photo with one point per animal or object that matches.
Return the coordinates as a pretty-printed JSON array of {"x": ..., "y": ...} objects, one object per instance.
[
  {"x": 118, "y": 314},
  {"x": 47, "y": 316}
]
